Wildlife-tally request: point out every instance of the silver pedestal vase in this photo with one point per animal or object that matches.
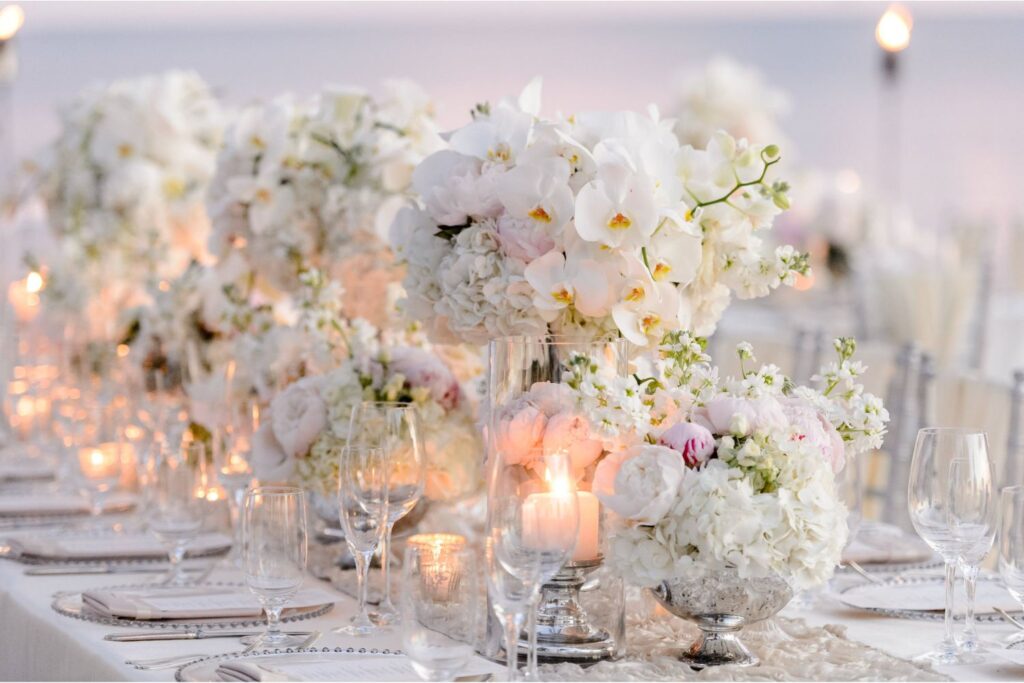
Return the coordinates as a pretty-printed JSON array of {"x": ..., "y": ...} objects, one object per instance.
[
  {"x": 721, "y": 604},
  {"x": 564, "y": 631}
]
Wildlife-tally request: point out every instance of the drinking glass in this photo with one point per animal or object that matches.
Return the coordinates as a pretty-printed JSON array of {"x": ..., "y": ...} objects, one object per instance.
[
  {"x": 508, "y": 597},
  {"x": 274, "y": 547},
  {"x": 362, "y": 492},
  {"x": 395, "y": 428},
  {"x": 177, "y": 508},
  {"x": 533, "y": 521},
  {"x": 970, "y": 565},
  {"x": 950, "y": 502},
  {"x": 232, "y": 461},
  {"x": 1011, "y": 545},
  {"x": 440, "y": 611}
]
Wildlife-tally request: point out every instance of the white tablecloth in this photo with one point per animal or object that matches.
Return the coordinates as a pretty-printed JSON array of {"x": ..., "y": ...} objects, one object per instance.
[{"x": 37, "y": 644}]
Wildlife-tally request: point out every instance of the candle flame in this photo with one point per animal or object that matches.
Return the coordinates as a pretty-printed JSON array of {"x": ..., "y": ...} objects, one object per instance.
[
  {"x": 893, "y": 29},
  {"x": 33, "y": 283},
  {"x": 11, "y": 19}
]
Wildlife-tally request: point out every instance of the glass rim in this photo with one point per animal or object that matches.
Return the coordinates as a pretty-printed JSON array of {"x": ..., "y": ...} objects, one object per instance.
[
  {"x": 275, "y": 490},
  {"x": 965, "y": 431},
  {"x": 557, "y": 339}
]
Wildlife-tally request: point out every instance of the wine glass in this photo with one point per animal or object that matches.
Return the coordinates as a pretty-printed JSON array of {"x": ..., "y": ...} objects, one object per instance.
[
  {"x": 232, "y": 461},
  {"x": 508, "y": 597},
  {"x": 177, "y": 508},
  {"x": 362, "y": 493},
  {"x": 533, "y": 519},
  {"x": 970, "y": 565},
  {"x": 1011, "y": 544},
  {"x": 950, "y": 501},
  {"x": 274, "y": 551},
  {"x": 440, "y": 616},
  {"x": 395, "y": 428}
]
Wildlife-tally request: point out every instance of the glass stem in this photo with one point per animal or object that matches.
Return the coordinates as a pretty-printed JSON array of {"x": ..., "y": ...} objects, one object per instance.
[
  {"x": 531, "y": 636},
  {"x": 176, "y": 556},
  {"x": 385, "y": 565},
  {"x": 362, "y": 569},
  {"x": 949, "y": 642},
  {"x": 512, "y": 623},
  {"x": 273, "y": 610},
  {"x": 970, "y": 587}
]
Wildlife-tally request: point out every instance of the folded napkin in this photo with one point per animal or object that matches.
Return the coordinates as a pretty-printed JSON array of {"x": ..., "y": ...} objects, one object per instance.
[
  {"x": 879, "y": 543},
  {"x": 110, "y": 547},
  {"x": 199, "y": 602},
  {"x": 23, "y": 468},
  {"x": 357, "y": 667},
  {"x": 926, "y": 596},
  {"x": 47, "y": 504}
]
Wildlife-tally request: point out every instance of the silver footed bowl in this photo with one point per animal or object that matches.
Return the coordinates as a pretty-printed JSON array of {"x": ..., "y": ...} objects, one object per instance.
[{"x": 721, "y": 604}]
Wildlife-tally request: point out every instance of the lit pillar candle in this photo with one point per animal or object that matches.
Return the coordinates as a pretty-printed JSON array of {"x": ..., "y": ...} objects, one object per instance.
[
  {"x": 99, "y": 462},
  {"x": 544, "y": 522},
  {"x": 24, "y": 296}
]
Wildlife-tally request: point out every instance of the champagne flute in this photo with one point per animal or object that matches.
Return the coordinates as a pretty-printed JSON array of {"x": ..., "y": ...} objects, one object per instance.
[
  {"x": 395, "y": 428},
  {"x": 232, "y": 461},
  {"x": 533, "y": 519},
  {"x": 274, "y": 551},
  {"x": 1011, "y": 545},
  {"x": 177, "y": 509},
  {"x": 950, "y": 499},
  {"x": 440, "y": 592},
  {"x": 508, "y": 597},
  {"x": 362, "y": 492}
]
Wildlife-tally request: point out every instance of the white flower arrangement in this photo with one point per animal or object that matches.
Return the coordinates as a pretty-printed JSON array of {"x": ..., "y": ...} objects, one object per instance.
[
  {"x": 309, "y": 419},
  {"x": 309, "y": 185},
  {"x": 706, "y": 474},
  {"x": 125, "y": 184},
  {"x": 726, "y": 95},
  {"x": 595, "y": 224}
]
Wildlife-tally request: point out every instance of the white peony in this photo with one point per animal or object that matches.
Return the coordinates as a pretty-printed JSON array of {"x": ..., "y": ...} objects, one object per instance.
[
  {"x": 640, "y": 484},
  {"x": 298, "y": 415}
]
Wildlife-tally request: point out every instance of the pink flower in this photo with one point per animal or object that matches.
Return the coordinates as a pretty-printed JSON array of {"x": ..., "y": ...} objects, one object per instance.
[
  {"x": 550, "y": 398},
  {"x": 523, "y": 240},
  {"x": 811, "y": 427},
  {"x": 571, "y": 433},
  {"x": 694, "y": 442},
  {"x": 740, "y": 416},
  {"x": 422, "y": 368},
  {"x": 520, "y": 437}
]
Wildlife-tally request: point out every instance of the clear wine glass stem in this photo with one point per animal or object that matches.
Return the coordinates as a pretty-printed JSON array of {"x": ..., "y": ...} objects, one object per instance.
[
  {"x": 176, "y": 576},
  {"x": 949, "y": 642},
  {"x": 273, "y": 609},
  {"x": 362, "y": 571},
  {"x": 970, "y": 635},
  {"x": 513, "y": 624},
  {"x": 531, "y": 635},
  {"x": 386, "y": 607}
]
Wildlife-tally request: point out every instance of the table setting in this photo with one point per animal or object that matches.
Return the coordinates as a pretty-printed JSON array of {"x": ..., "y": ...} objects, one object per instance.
[{"x": 322, "y": 388}]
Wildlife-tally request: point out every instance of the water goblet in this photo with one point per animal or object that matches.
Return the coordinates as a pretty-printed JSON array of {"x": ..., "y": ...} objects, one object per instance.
[
  {"x": 950, "y": 503},
  {"x": 362, "y": 494},
  {"x": 440, "y": 615},
  {"x": 1011, "y": 546},
  {"x": 395, "y": 428},
  {"x": 177, "y": 508},
  {"x": 274, "y": 552}
]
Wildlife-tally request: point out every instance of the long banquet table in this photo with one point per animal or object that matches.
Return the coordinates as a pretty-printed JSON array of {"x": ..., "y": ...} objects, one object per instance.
[{"x": 36, "y": 643}]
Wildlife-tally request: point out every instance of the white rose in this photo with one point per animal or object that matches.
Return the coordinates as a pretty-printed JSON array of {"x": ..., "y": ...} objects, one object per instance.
[
  {"x": 298, "y": 416},
  {"x": 641, "y": 484}
]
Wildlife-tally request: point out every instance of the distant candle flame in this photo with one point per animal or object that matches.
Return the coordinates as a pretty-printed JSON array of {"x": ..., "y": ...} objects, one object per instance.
[
  {"x": 34, "y": 283},
  {"x": 893, "y": 29},
  {"x": 11, "y": 19}
]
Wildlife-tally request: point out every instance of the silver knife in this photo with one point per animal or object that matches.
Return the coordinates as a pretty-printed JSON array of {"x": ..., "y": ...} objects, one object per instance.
[
  {"x": 187, "y": 635},
  {"x": 100, "y": 569}
]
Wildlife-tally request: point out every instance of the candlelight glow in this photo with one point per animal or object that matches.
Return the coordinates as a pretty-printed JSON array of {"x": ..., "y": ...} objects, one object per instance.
[
  {"x": 893, "y": 29},
  {"x": 803, "y": 282},
  {"x": 34, "y": 283},
  {"x": 11, "y": 19}
]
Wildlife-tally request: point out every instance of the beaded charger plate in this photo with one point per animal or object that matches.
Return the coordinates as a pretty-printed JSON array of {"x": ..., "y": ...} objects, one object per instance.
[
  {"x": 854, "y": 597},
  {"x": 206, "y": 669},
  {"x": 70, "y": 604}
]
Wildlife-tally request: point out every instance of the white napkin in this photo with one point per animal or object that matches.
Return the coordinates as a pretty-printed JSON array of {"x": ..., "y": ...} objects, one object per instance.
[
  {"x": 927, "y": 596},
  {"x": 45, "y": 504},
  {"x": 112, "y": 547},
  {"x": 200, "y": 602},
  {"x": 347, "y": 668},
  {"x": 878, "y": 543},
  {"x": 18, "y": 466}
]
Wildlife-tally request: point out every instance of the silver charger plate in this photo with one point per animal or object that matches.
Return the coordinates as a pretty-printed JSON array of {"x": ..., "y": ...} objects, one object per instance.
[
  {"x": 892, "y": 568},
  {"x": 69, "y": 604},
  {"x": 205, "y": 669},
  {"x": 921, "y": 615},
  {"x": 11, "y": 551}
]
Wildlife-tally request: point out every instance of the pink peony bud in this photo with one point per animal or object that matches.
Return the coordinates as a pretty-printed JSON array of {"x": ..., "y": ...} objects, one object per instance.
[{"x": 695, "y": 443}]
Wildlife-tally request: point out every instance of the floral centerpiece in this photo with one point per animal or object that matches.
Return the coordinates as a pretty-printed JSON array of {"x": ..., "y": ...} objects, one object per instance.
[
  {"x": 303, "y": 185},
  {"x": 595, "y": 225},
  {"x": 124, "y": 185},
  {"x": 309, "y": 417}
]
